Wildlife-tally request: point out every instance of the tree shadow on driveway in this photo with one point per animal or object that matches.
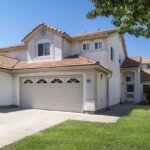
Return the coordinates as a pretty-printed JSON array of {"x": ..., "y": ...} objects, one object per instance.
[{"x": 10, "y": 109}]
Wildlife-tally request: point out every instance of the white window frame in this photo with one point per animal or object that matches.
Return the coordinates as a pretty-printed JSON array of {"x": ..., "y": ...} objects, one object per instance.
[
  {"x": 44, "y": 52},
  {"x": 86, "y": 44},
  {"x": 42, "y": 41},
  {"x": 148, "y": 66},
  {"x": 98, "y": 45}
]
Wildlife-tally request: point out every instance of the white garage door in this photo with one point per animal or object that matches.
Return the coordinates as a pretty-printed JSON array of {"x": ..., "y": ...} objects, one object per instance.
[{"x": 52, "y": 93}]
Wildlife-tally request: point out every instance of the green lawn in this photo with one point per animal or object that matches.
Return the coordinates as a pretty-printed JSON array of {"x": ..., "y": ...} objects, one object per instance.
[{"x": 130, "y": 132}]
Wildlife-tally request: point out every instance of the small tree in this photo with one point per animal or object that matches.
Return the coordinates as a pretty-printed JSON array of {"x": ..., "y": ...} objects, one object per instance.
[{"x": 132, "y": 16}]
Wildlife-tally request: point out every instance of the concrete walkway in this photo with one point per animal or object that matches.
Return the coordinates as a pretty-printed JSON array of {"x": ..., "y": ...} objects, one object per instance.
[{"x": 16, "y": 124}]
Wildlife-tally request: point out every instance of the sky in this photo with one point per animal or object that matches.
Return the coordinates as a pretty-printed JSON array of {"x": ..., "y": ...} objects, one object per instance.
[{"x": 19, "y": 17}]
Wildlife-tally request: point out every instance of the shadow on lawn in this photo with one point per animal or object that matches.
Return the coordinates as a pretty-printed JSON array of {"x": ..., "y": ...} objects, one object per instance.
[
  {"x": 119, "y": 110},
  {"x": 143, "y": 107}
]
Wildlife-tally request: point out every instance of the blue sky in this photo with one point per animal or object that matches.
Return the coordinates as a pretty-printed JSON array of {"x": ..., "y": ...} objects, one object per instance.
[{"x": 18, "y": 17}]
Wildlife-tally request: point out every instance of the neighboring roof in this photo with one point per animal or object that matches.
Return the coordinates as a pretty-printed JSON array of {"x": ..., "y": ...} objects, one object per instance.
[
  {"x": 7, "y": 62},
  {"x": 97, "y": 34},
  {"x": 72, "y": 61},
  {"x": 145, "y": 75},
  {"x": 12, "y": 48},
  {"x": 145, "y": 60},
  {"x": 131, "y": 62},
  {"x": 43, "y": 25}
]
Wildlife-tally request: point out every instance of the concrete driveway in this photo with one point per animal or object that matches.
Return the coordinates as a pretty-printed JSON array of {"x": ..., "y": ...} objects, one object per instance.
[{"x": 16, "y": 124}]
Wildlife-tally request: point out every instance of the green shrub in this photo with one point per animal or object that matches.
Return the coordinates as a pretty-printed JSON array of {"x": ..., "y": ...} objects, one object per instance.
[
  {"x": 147, "y": 92},
  {"x": 144, "y": 102}
]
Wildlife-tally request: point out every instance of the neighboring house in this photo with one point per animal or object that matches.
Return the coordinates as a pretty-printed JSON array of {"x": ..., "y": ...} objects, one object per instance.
[
  {"x": 135, "y": 78},
  {"x": 83, "y": 73}
]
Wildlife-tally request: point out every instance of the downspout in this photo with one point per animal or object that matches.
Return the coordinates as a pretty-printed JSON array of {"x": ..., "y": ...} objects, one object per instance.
[{"x": 107, "y": 102}]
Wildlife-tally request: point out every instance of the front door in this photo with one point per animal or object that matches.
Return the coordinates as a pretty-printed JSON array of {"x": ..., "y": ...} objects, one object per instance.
[{"x": 130, "y": 91}]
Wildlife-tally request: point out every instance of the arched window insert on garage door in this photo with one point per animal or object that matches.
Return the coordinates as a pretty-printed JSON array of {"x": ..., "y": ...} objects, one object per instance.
[
  {"x": 73, "y": 80},
  {"x": 41, "y": 81},
  {"x": 28, "y": 81},
  {"x": 56, "y": 81}
]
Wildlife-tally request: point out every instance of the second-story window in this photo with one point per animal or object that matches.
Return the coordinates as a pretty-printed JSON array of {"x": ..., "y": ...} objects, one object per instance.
[
  {"x": 98, "y": 45},
  {"x": 112, "y": 53},
  {"x": 44, "y": 49},
  {"x": 148, "y": 66},
  {"x": 86, "y": 46}
]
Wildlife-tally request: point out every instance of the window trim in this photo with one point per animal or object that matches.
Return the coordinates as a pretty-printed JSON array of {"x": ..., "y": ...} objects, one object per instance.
[
  {"x": 56, "y": 81},
  {"x": 41, "y": 81},
  {"x": 86, "y": 44},
  {"x": 130, "y": 88},
  {"x": 98, "y": 44},
  {"x": 73, "y": 80},
  {"x": 42, "y": 43},
  {"x": 148, "y": 66},
  {"x": 28, "y": 81}
]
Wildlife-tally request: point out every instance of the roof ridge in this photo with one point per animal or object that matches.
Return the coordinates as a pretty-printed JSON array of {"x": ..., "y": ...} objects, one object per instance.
[
  {"x": 47, "y": 26},
  {"x": 13, "y": 46},
  {"x": 134, "y": 56},
  {"x": 94, "y": 32}
]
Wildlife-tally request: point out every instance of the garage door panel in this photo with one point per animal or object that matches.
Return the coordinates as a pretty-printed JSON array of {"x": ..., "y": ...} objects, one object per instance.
[{"x": 53, "y": 96}]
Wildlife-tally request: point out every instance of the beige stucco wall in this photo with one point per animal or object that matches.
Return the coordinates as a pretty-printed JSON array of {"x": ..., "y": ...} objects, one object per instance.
[
  {"x": 96, "y": 91},
  {"x": 55, "y": 40},
  {"x": 5, "y": 89},
  {"x": 19, "y": 54},
  {"x": 99, "y": 55},
  {"x": 115, "y": 81},
  {"x": 103, "y": 55},
  {"x": 66, "y": 48},
  {"x": 101, "y": 91}
]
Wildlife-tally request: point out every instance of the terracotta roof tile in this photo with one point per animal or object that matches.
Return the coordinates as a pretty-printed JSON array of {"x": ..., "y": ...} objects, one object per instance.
[
  {"x": 48, "y": 27},
  {"x": 145, "y": 75},
  {"x": 131, "y": 62},
  {"x": 71, "y": 61},
  {"x": 67, "y": 62},
  {"x": 14, "y": 47},
  {"x": 145, "y": 60},
  {"x": 94, "y": 34},
  {"x": 7, "y": 62}
]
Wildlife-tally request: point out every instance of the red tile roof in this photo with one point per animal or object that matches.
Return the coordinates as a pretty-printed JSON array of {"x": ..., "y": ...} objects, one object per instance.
[
  {"x": 76, "y": 60},
  {"x": 131, "y": 62},
  {"x": 7, "y": 62},
  {"x": 145, "y": 60},
  {"x": 145, "y": 75},
  {"x": 67, "y": 62},
  {"x": 94, "y": 34}
]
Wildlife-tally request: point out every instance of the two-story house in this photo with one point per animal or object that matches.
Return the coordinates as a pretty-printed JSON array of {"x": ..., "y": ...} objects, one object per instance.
[{"x": 82, "y": 73}]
